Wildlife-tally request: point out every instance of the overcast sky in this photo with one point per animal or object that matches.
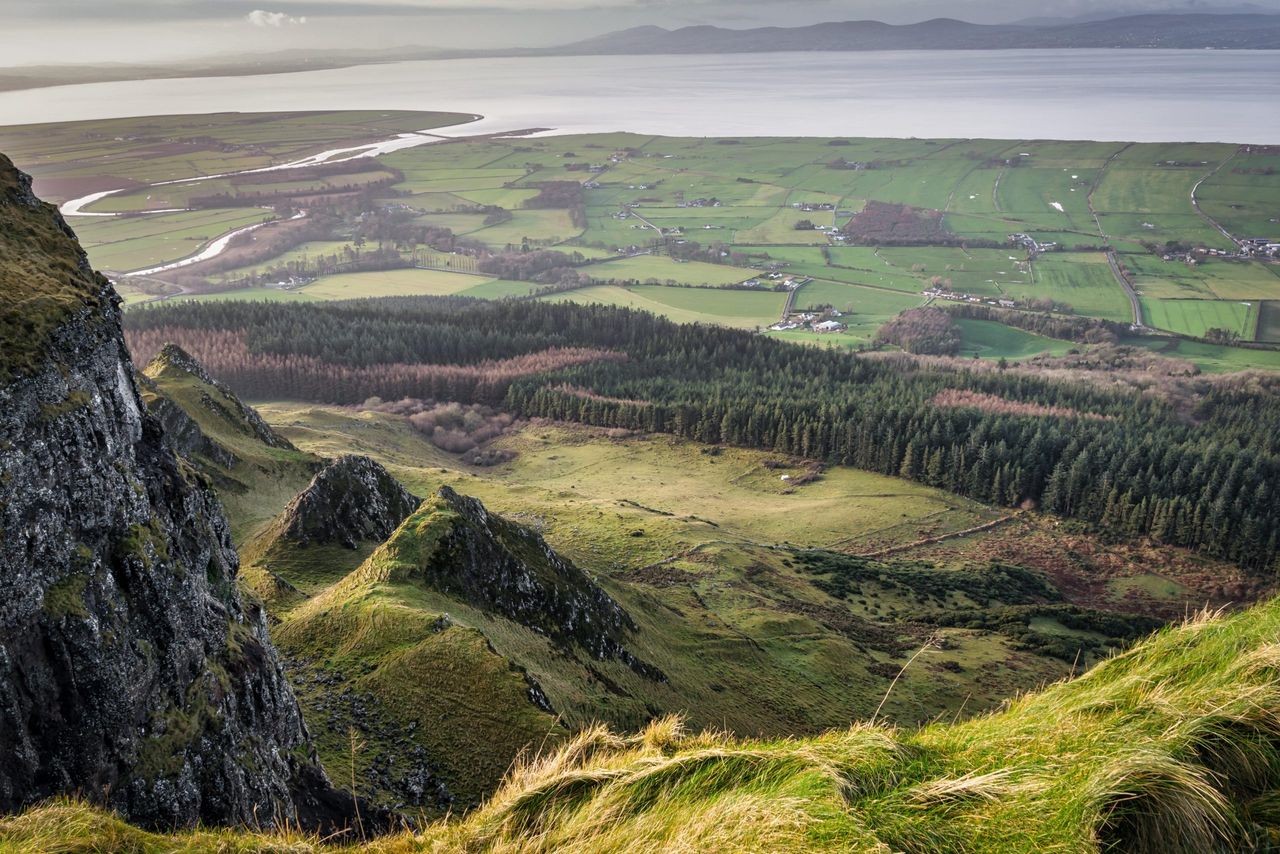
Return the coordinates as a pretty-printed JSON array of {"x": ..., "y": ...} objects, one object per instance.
[{"x": 66, "y": 31}]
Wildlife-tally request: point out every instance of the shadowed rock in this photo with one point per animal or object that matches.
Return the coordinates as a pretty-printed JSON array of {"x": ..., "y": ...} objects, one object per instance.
[{"x": 131, "y": 671}]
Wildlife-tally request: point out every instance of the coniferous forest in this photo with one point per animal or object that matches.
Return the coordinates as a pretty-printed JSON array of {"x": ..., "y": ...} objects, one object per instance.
[{"x": 1200, "y": 471}]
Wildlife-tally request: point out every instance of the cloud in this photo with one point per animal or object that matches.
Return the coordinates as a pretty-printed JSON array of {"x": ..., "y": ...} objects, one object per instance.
[{"x": 259, "y": 18}]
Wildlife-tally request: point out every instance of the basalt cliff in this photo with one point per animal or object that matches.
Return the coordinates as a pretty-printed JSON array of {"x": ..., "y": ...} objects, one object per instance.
[{"x": 132, "y": 672}]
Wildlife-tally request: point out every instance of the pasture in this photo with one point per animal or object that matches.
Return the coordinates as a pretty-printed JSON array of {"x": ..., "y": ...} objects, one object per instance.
[
  {"x": 1269, "y": 321},
  {"x": 736, "y": 197},
  {"x": 1082, "y": 280},
  {"x": 1196, "y": 317},
  {"x": 986, "y": 339},
  {"x": 741, "y": 309},
  {"x": 1213, "y": 358},
  {"x": 134, "y": 243},
  {"x": 392, "y": 283},
  {"x": 660, "y": 269}
]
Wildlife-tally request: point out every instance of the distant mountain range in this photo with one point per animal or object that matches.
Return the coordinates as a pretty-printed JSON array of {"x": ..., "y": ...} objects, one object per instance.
[
  {"x": 1188, "y": 31},
  {"x": 1237, "y": 31}
]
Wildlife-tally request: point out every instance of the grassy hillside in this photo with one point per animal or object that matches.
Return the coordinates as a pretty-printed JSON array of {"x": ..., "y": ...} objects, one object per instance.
[
  {"x": 254, "y": 470},
  {"x": 761, "y": 618},
  {"x": 1171, "y": 747}
]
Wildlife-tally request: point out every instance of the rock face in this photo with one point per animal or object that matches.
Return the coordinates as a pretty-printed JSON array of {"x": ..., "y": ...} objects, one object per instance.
[
  {"x": 351, "y": 501},
  {"x": 131, "y": 672}
]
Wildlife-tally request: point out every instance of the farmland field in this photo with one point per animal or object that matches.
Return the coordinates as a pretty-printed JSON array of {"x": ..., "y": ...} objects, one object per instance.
[
  {"x": 1196, "y": 317},
  {"x": 392, "y": 283},
  {"x": 730, "y": 206},
  {"x": 1269, "y": 321},
  {"x": 662, "y": 270},
  {"x": 1082, "y": 280},
  {"x": 988, "y": 340},
  {"x": 742, "y": 309},
  {"x": 1213, "y": 358},
  {"x": 134, "y": 243},
  {"x": 1210, "y": 279}
]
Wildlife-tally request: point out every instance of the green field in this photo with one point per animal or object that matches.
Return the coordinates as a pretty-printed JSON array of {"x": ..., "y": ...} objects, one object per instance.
[
  {"x": 310, "y": 252},
  {"x": 135, "y": 243},
  {"x": 1083, "y": 281},
  {"x": 740, "y": 198},
  {"x": 392, "y": 283},
  {"x": 657, "y": 269},
  {"x": 1196, "y": 317},
  {"x": 742, "y": 309},
  {"x": 1213, "y": 358},
  {"x": 989, "y": 340},
  {"x": 1210, "y": 279},
  {"x": 1269, "y": 321}
]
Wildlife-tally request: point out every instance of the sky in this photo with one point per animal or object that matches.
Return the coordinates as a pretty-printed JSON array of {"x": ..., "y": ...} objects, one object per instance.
[{"x": 92, "y": 31}]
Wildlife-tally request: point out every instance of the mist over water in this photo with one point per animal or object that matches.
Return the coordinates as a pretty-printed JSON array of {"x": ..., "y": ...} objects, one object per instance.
[{"x": 1138, "y": 95}]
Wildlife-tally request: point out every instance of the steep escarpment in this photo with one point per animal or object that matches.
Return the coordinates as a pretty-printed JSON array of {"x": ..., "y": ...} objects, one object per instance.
[
  {"x": 45, "y": 280},
  {"x": 131, "y": 672}
]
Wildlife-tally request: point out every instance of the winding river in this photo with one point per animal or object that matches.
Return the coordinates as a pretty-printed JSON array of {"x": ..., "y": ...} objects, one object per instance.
[{"x": 76, "y": 207}]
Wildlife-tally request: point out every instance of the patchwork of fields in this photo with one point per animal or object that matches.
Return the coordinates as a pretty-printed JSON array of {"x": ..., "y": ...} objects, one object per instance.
[{"x": 670, "y": 225}]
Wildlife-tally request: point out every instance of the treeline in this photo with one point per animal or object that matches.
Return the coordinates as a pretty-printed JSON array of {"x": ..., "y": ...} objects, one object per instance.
[
  {"x": 543, "y": 266},
  {"x": 325, "y": 174},
  {"x": 1133, "y": 465},
  {"x": 561, "y": 194},
  {"x": 888, "y": 224},
  {"x": 923, "y": 331},
  {"x": 265, "y": 375},
  {"x": 349, "y": 260}
]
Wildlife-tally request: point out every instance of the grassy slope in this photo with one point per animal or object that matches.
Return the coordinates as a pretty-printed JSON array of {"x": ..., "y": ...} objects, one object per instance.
[
  {"x": 263, "y": 479},
  {"x": 750, "y": 638},
  {"x": 768, "y": 655},
  {"x": 385, "y": 637},
  {"x": 1174, "y": 746}
]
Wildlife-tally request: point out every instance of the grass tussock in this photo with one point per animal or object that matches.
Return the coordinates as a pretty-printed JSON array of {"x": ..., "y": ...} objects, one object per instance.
[{"x": 1171, "y": 747}]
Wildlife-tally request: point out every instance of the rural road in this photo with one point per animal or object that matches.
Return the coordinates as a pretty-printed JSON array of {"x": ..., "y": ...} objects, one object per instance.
[
  {"x": 1128, "y": 289},
  {"x": 1195, "y": 203}
]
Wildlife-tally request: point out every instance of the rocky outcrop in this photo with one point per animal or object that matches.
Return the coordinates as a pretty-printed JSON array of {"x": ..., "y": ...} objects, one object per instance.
[
  {"x": 353, "y": 500},
  {"x": 131, "y": 672},
  {"x": 174, "y": 380},
  {"x": 455, "y": 545},
  {"x": 181, "y": 431}
]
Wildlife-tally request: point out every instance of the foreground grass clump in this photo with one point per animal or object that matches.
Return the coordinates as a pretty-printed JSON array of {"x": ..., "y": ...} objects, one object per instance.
[{"x": 1173, "y": 746}]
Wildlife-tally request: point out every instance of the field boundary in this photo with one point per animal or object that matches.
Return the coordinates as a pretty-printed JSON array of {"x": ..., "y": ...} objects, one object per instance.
[{"x": 940, "y": 538}]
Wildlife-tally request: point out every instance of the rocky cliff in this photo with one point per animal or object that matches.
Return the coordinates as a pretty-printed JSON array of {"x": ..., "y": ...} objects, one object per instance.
[{"x": 131, "y": 672}]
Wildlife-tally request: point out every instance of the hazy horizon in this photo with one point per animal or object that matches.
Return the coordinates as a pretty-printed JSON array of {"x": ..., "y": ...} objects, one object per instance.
[{"x": 56, "y": 32}]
